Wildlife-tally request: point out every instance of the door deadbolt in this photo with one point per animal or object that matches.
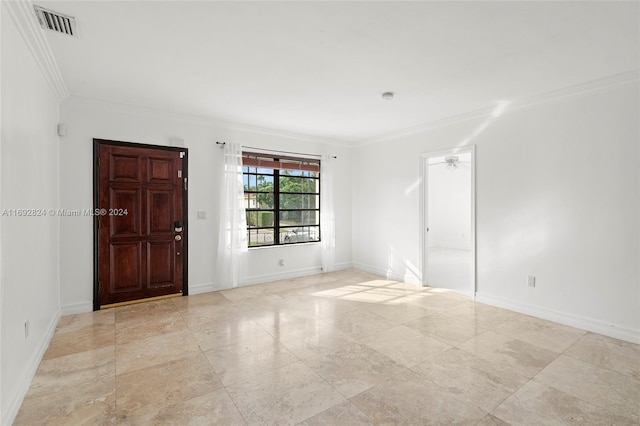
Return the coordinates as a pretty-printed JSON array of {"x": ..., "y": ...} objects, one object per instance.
[{"x": 178, "y": 237}]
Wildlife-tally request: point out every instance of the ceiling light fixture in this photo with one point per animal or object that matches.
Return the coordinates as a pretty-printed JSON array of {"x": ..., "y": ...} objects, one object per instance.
[
  {"x": 452, "y": 162},
  {"x": 387, "y": 96}
]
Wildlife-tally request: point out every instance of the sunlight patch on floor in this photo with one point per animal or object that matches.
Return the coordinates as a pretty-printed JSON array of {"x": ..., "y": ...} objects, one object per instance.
[{"x": 376, "y": 291}]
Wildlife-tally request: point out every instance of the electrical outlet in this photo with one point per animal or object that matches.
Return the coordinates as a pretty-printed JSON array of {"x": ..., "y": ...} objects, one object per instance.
[
  {"x": 531, "y": 281},
  {"x": 26, "y": 330}
]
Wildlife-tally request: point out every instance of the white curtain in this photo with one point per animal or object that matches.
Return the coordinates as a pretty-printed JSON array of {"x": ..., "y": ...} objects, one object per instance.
[
  {"x": 233, "y": 224},
  {"x": 327, "y": 215}
]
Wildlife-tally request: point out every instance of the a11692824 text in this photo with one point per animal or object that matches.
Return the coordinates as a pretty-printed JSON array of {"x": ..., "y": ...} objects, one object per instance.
[{"x": 63, "y": 212}]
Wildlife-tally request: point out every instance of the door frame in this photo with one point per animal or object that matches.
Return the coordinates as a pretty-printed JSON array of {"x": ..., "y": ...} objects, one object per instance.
[
  {"x": 97, "y": 143},
  {"x": 424, "y": 211}
]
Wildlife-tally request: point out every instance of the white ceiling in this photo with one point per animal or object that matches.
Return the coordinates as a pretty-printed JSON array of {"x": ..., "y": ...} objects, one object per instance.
[{"x": 319, "y": 68}]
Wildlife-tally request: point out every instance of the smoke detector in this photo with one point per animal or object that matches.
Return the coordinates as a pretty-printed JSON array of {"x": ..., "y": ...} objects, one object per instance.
[{"x": 57, "y": 22}]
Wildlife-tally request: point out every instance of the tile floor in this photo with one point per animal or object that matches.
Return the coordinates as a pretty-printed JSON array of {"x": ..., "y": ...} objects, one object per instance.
[{"x": 345, "y": 348}]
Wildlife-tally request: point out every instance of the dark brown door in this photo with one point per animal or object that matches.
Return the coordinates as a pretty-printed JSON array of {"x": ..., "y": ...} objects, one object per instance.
[{"x": 140, "y": 224}]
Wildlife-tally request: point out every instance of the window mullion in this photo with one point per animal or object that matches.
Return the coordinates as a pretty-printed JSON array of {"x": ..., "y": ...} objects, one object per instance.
[{"x": 276, "y": 206}]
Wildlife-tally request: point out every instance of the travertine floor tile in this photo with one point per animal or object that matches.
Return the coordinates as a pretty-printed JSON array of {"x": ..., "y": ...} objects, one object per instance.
[
  {"x": 325, "y": 308},
  {"x": 77, "y": 322},
  {"x": 144, "y": 311},
  {"x": 287, "y": 319},
  {"x": 539, "y": 332},
  {"x": 410, "y": 399},
  {"x": 603, "y": 388},
  {"x": 608, "y": 353},
  {"x": 446, "y": 328},
  {"x": 148, "y": 390},
  {"x": 243, "y": 360},
  {"x": 90, "y": 402},
  {"x": 94, "y": 336},
  {"x": 405, "y": 346},
  {"x": 292, "y": 351},
  {"x": 143, "y": 327},
  {"x": 320, "y": 341},
  {"x": 435, "y": 300},
  {"x": 58, "y": 374},
  {"x": 247, "y": 292},
  {"x": 400, "y": 313},
  {"x": 155, "y": 350},
  {"x": 258, "y": 303},
  {"x": 491, "y": 420},
  {"x": 354, "y": 369},
  {"x": 203, "y": 315},
  {"x": 341, "y": 414},
  {"x": 537, "y": 404},
  {"x": 483, "y": 316},
  {"x": 481, "y": 382},
  {"x": 215, "y": 408},
  {"x": 220, "y": 332},
  {"x": 208, "y": 300},
  {"x": 360, "y": 323},
  {"x": 512, "y": 354},
  {"x": 286, "y": 395}
]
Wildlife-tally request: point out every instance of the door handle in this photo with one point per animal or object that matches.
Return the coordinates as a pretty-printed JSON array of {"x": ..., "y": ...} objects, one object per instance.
[
  {"x": 177, "y": 226},
  {"x": 178, "y": 237}
]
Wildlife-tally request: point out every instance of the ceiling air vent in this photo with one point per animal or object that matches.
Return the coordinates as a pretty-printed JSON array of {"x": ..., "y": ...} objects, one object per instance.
[{"x": 54, "y": 21}]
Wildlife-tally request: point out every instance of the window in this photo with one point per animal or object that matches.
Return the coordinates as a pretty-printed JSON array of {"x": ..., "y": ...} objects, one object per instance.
[{"x": 282, "y": 196}]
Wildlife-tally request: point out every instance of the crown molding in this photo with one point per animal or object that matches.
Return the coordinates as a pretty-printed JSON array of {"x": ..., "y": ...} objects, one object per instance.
[
  {"x": 23, "y": 15},
  {"x": 200, "y": 120},
  {"x": 551, "y": 96}
]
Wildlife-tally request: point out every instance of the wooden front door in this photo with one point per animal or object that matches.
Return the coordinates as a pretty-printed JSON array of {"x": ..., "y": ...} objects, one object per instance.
[{"x": 140, "y": 221}]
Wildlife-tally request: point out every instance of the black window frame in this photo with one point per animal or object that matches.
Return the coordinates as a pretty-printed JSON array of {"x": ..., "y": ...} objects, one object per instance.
[{"x": 256, "y": 164}]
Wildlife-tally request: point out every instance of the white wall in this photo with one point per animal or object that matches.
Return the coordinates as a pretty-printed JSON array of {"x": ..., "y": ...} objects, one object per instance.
[
  {"x": 86, "y": 120},
  {"x": 557, "y": 197},
  {"x": 29, "y": 269},
  {"x": 449, "y": 204}
]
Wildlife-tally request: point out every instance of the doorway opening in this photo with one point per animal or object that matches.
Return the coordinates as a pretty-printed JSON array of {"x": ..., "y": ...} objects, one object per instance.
[
  {"x": 140, "y": 222},
  {"x": 448, "y": 220}
]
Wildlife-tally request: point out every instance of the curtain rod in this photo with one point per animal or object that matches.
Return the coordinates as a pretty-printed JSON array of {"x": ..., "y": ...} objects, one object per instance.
[{"x": 279, "y": 152}]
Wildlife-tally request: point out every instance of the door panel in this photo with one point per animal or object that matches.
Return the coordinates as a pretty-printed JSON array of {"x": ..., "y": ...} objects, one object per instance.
[
  {"x": 131, "y": 201},
  {"x": 161, "y": 205},
  {"x": 161, "y": 267},
  {"x": 140, "y": 251},
  {"x": 124, "y": 168},
  {"x": 160, "y": 170},
  {"x": 125, "y": 267}
]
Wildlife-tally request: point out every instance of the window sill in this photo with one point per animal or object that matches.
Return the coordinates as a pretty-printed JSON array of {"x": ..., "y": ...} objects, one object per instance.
[{"x": 310, "y": 243}]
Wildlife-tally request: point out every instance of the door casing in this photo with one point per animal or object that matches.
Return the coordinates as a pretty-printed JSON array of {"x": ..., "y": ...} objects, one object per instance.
[{"x": 97, "y": 143}]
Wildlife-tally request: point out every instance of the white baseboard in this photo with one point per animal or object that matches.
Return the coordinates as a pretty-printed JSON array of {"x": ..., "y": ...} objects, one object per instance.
[
  {"x": 76, "y": 308},
  {"x": 259, "y": 279},
  {"x": 203, "y": 288},
  {"x": 577, "y": 321},
  {"x": 388, "y": 274},
  {"x": 377, "y": 271},
  {"x": 295, "y": 273},
  {"x": 342, "y": 266},
  {"x": 15, "y": 400},
  {"x": 467, "y": 293}
]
